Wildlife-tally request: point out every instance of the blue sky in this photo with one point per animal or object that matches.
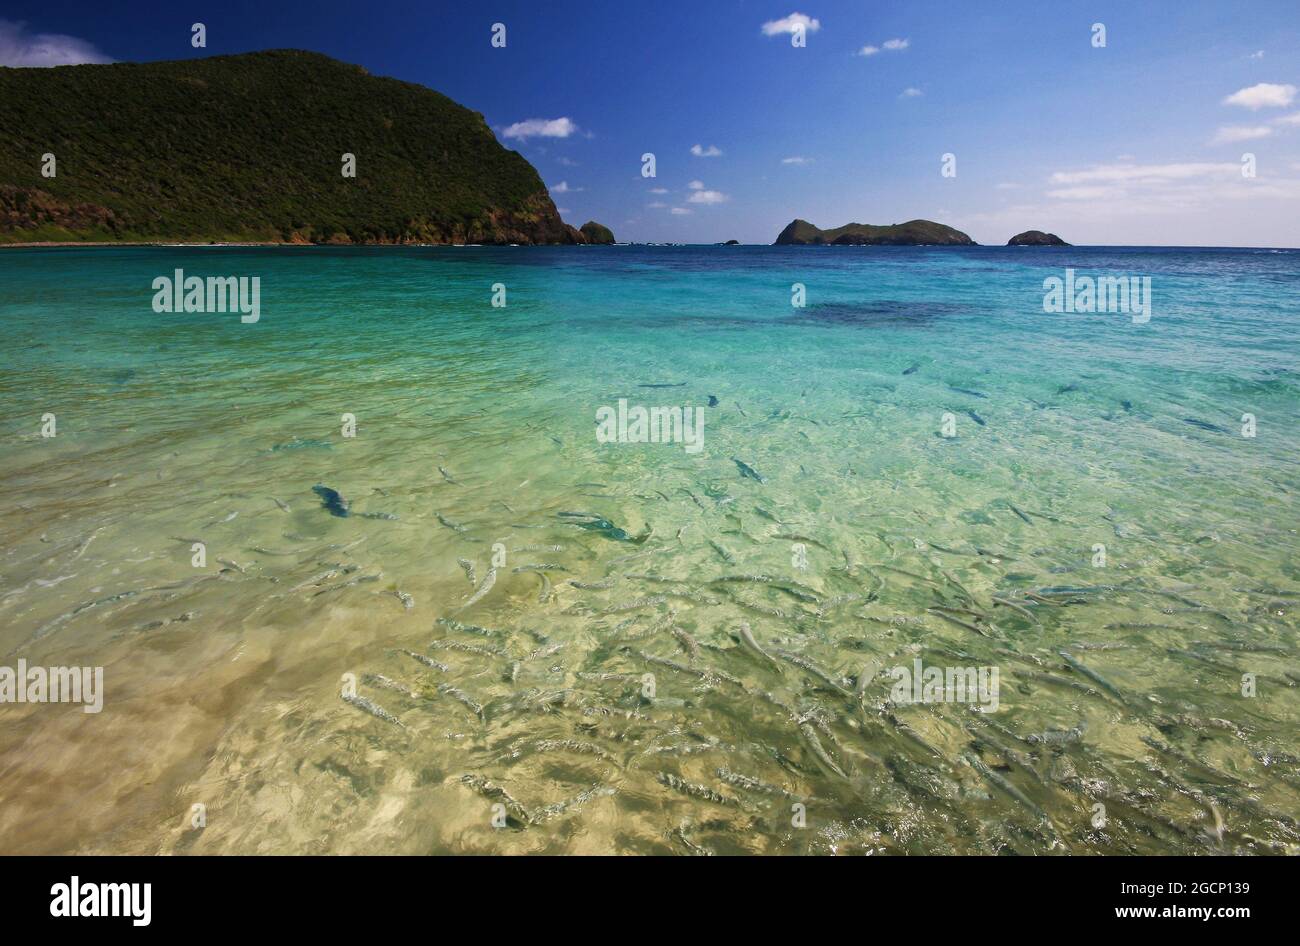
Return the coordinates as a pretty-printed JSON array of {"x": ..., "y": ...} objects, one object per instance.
[{"x": 1138, "y": 142}]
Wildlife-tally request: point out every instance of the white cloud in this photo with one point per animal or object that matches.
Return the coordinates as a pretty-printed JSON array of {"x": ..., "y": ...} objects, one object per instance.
[
  {"x": 893, "y": 45},
  {"x": 540, "y": 128},
  {"x": 1230, "y": 133},
  {"x": 1257, "y": 54},
  {"x": 1154, "y": 185},
  {"x": 706, "y": 197},
  {"x": 712, "y": 151},
  {"x": 1145, "y": 173},
  {"x": 1264, "y": 95},
  {"x": 21, "y": 48},
  {"x": 679, "y": 211},
  {"x": 1292, "y": 119},
  {"x": 657, "y": 205},
  {"x": 566, "y": 162},
  {"x": 790, "y": 24},
  {"x": 797, "y": 159},
  {"x": 564, "y": 188},
  {"x": 658, "y": 190},
  {"x": 910, "y": 93},
  {"x": 1008, "y": 186},
  {"x": 561, "y": 210},
  {"x": 696, "y": 185}
]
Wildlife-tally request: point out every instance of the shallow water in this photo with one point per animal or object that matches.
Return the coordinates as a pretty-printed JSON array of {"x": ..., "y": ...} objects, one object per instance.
[{"x": 223, "y": 682}]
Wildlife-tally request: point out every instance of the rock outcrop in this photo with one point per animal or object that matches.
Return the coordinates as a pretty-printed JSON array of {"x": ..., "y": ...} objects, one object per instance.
[
  {"x": 912, "y": 233},
  {"x": 597, "y": 233},
  {"x": 1036, "y": 238}
]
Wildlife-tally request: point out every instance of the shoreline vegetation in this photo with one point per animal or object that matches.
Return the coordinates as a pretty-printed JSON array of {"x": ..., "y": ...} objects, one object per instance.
[{"x": 283, "y": 146}]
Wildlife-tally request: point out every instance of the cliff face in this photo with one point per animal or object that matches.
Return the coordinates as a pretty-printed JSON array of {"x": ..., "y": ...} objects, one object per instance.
[
  {"x": 912, "y": 233},
  {"x": 251, "y": 147}
]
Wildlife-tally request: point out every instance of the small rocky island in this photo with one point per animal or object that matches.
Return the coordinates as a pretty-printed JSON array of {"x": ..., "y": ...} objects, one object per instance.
[
  {"x": 912, "y": 233},
  {"x": 1036, "y": 238},
  {"x": 596, "y": 232}
]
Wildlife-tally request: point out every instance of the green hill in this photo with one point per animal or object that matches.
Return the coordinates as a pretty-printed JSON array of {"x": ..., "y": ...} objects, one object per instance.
[
  {"x": 596, "y": 232},
  {"x": 250, "y": 147},
  {"x": 912, "y": 233}
]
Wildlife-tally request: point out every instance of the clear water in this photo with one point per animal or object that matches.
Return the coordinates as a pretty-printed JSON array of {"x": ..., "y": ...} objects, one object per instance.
[{"x": 223, "y": 682}]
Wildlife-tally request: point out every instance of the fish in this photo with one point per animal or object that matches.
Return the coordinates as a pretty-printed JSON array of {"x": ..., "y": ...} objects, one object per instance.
[
  {"x": 495, "y": 792},
  {"x": 680, "y": 384},
  {"x": 913, "y": 369},
  {"x": 749, "y": 783},
  {"x": 958, "y": 621},
  {"x": 454, "y": 625},
  {"x": 468, "y": 566},
  {"x": 967, "y": 391},
  {"x": 713, "y": 401},
  {"x": 693, "y": 789},
  {"x": 747, "y": 638},
  {"x": 1018, "y": 512},
  {"x": 1127, "y": 405},
  {"x": 284, "y": 507},
  {"x": 300, "y": 444},
  {"x": 427, "y": 661},
  {"x": 332, "y": 500},
  {"x": 446, "y": 643},
  {"x": 547, "y": 812},
  {"x": 747, "y": 470},
  {"x": 489, "y": 580},
  {"x": 1058, "y": 737},
  {"x": 373, "y": 708},
  {"x": 1067, "y": 388},
  {"x": 447, "y": 476},
  {"x": 805, "y": 664},
  {"x": 996, "y": 780},
  {"x": 453, "y": 526},
  {"x": 726, "y": 555},
  {"x": 975, "y": 417},
  {"x": 379, "y": 680},
  {"x": 688, "y": 643},
  {"x": 603, "y": 526},
  {"x": 1093, "y": 675},
  {"x": 446, "y": 689},
  {"x": 1204, "y": 425},
  {"x": 819, "y": 751},
  {"x": 797, "y": 537},
  {"x": 593, "y": 585}
]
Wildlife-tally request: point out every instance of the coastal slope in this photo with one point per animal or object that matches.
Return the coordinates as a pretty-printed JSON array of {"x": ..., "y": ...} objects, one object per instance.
[
  {"x": 251, "y": 148},
  {"x": 912, "y": 233}
]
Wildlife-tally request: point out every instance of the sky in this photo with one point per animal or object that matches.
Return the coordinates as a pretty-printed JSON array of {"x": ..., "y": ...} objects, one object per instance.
[{"x": 1140, "y": 141}]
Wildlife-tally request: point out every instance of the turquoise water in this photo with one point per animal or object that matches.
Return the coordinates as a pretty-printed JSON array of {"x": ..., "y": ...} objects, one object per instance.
[{"x": 223, "y": 682}]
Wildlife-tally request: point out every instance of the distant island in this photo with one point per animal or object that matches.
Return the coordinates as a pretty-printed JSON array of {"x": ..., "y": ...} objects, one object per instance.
[
  {"x": 594, "y": 232},
  {"x": 912, "y": 233},
  {"x": 253, "y": 148},
  {"x": 1036, "y": 238}
]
